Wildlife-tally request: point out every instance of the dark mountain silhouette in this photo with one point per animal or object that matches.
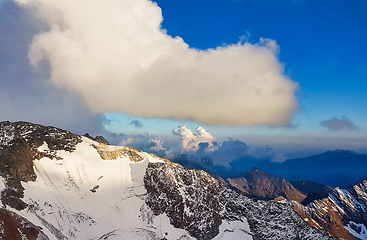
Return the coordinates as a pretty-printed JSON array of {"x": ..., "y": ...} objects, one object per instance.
[
  {"x": 307, "y": 187},
  {"x": 341, "y": 168}
]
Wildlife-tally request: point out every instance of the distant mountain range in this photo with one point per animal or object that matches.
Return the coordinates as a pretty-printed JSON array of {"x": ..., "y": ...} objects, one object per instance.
[
  {"x": 337, "y": 168},
  {"x": 58, "y": 185},
  {"x": 340, "y": 168}
]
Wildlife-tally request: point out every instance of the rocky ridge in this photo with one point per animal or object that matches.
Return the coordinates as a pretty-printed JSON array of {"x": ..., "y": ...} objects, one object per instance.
[
  {"x": 199, "y": 203},
  {"x": 18, "y": 148},
  {"x": 191, "y": 199},
  {"x": 342, "y": 213}
]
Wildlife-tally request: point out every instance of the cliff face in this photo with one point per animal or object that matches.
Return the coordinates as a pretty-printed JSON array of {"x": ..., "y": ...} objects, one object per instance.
[
  {"x": 261, "y": 185},
  {"x": 19, "y": 142},
  {"x": 195, "y": 201},
  {"x": 342, "y": 213},
  {"x": 15, "y": 227}
]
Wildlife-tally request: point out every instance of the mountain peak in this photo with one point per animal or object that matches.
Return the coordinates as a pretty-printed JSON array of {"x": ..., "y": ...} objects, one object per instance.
[
  {"x": 262, "y": 185},
  {"x": 77, "y": 188},
  {"x": 341, "y": 151}
]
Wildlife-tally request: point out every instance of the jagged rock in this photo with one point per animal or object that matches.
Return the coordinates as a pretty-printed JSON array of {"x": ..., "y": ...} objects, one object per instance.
[
  {"x": 15, "y": 227},
  {"x": 18, "y": 148},
  {"x": 99, "y": 139},
  {"x": 341, "y": 213},
  {"x": 195, "y": 201}
]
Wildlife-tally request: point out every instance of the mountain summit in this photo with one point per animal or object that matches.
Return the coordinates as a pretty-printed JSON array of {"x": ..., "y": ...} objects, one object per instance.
[
  {"x": 261, "y": 185},
  {"x": 59, "y": 185}
]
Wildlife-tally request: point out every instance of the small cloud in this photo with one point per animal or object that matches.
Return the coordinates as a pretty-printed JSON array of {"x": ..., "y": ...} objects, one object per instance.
[
  {"x": 126, "y": 142},
  {"x": 338, "y": 124},
  {"x": 278, "y": 158},
  {"x": 136, "y": 124},
  {"x": 147, "y": 143},
  {"x": 156, "y": 144},
  {"x": 190, "y": 142}
]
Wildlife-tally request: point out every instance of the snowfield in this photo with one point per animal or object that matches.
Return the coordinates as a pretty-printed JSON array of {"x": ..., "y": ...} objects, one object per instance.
[
  {"x": 59, "y": 185},
  {"x": 78, "y": 195}
]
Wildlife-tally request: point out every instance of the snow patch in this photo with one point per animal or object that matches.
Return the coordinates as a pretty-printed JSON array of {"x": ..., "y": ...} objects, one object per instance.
[
  {"x": 61, "y": 199},
  {"x": 357, "y": 229},
  {"x": 236, "y": 230}
]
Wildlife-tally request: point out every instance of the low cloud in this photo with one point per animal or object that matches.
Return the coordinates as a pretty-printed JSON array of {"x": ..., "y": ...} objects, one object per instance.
[
  {"x": 116, "y": 56},
  {"x": 279, "y": 158},
  {"x": 148, "y": 143},
  {"x": 192, "y": 142},
  {"x": 202, "y": 147},
  {"x": 339, "y": 124},
  {"x": 202, "y": 144},
  {"x": 136, "y": 124}
]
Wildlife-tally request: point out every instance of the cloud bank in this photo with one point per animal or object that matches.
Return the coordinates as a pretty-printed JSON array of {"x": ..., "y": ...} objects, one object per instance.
[
  {"x": 339, "y": 124},
  {"x": 115, "y": 55},
  {"x": 27, "y": 96}
]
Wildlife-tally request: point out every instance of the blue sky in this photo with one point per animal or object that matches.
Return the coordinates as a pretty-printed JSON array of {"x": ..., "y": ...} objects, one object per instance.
[{"x": 322, "y": 46}]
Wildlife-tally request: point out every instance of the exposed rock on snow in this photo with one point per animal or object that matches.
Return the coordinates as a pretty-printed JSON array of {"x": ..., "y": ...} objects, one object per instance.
[
  {"x": 343, "y": 212},
  {"x": 99, "y": 139},
  {"x": 195, "y": 201},
  {"x": 48, "y": 175},
  {"x": 15, "y": 227},
  {"x": 18, "y": 148}
]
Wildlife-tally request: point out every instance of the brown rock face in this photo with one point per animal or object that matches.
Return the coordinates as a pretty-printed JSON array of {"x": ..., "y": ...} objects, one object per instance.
[
  {"x": 15, "y": 227},
  {"x": 18, "y": 148},
  {"x": 129, "y": 152},
  {"x": 260, "y": 185},
  {"x": 342, "y": 207}
]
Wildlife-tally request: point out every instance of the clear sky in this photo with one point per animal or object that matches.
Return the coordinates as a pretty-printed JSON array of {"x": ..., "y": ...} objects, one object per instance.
[{"x": 135, "y": 68}]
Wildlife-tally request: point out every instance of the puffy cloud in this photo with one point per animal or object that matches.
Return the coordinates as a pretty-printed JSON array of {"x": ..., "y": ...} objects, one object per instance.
[
  {"x": 126, "y": 142},
  {"x": 339, "y": 124},
  {"x": 202, "y": 144},
  {"x": 136, "y": 123},
  {"x": 115, "y": 55},
  {"x": 192, "y": 142},
  {"x": 157, "y": 144}
]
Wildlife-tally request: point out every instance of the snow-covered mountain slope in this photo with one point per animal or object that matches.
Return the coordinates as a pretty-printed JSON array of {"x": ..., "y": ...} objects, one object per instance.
[
  {"x": 58, "y": 185},
  {"x": 343, "y": 212}
]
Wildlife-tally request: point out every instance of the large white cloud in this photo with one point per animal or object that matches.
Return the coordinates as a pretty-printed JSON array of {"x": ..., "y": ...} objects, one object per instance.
[{"x": 116, "y": 56}]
